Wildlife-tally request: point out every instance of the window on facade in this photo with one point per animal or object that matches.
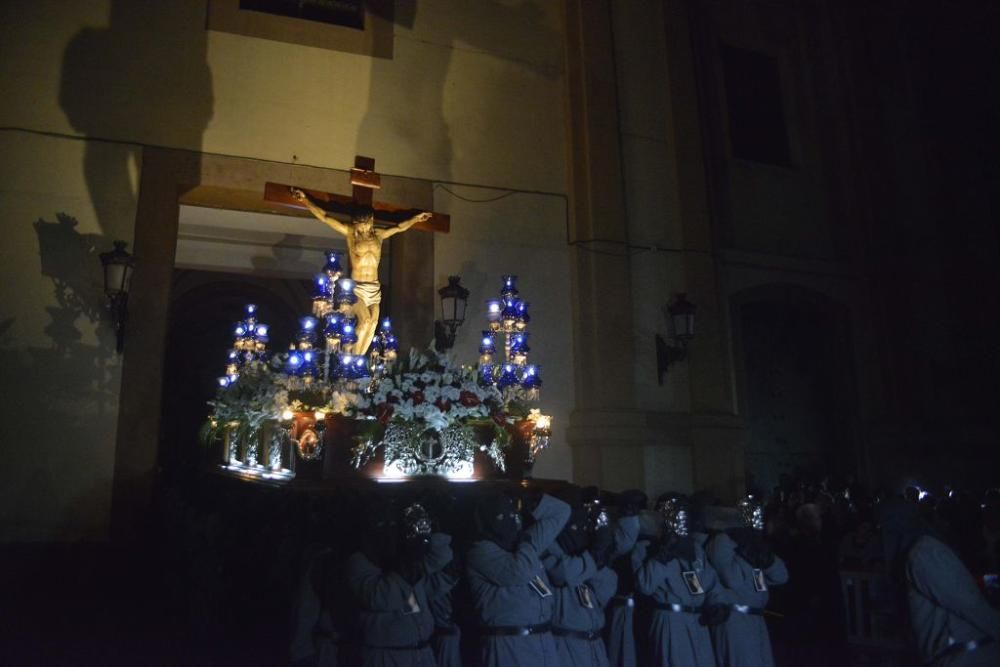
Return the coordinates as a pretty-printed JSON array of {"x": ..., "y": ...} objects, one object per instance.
[
  {"x": 757, "y": 129},
  {"x": 350, "y": 13}
]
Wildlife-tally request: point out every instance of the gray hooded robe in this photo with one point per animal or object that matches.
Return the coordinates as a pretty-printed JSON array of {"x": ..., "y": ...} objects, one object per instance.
[
  {"x": 743, "y": 640},
  {"x": 947, "y": 610},
  {"x": 621, "y": 612},
  {"x": 447, "y": 637},
  {"x": 676, "y": 637},
  {"x": 396, "y": 620},
  {"x": 575, "y": 579},
  {"x": 503, "y": 596}
]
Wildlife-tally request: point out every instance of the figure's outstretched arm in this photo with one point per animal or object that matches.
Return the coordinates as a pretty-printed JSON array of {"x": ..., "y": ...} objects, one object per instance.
[
  {"x": 406, "y": 224},
  {"x": 321, "y": 215}
]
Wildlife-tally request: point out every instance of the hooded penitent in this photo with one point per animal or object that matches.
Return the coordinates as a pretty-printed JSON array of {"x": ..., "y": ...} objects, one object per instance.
[
  {"x": 416, "y": 529},
  {"x": 749, "y": 538},
  {"x": 381, "y": 541},
  {"x": 674, "y": 510},
  {"x": 499, "y": 520},
  {"x": 575, "y": 537}
]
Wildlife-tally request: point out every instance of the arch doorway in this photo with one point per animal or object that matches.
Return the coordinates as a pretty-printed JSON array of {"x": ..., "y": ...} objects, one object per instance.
[
  {"x": 204, "y": 306},
  {"x": 796, "y": 385}
]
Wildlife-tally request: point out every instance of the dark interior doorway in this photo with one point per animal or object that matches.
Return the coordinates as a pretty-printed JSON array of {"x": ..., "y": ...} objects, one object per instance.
[
  {"x": 204, "y": 307},
  {"x": 797, "y": 386}
]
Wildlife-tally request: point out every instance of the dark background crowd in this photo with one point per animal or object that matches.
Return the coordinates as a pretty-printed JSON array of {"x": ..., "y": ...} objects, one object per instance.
[
  {"x": 217, "y": 576},
  {"x": 827, "y": 532}
]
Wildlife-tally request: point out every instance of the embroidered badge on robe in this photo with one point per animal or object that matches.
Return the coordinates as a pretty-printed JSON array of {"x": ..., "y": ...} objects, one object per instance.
[
  {"x": 759, "y": 584},
  {"x": 693, "y": 582},
  {"x": 540, "y": 587},
  {"x": 585, "y": 596}
]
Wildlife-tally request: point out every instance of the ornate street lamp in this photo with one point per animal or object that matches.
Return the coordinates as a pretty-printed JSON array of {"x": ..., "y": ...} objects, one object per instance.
[
  {"x": 454, "y": 298},
  {"x": 118, "y": 265},
  {"x": 680, "y": 315}
]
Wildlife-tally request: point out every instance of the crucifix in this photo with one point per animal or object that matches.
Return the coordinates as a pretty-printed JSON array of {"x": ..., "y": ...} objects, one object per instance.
[{"x": 364, "y": 238}]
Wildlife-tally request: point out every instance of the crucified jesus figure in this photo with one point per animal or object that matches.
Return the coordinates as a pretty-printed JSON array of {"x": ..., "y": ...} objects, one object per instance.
[{"x": 364, "y": 247}]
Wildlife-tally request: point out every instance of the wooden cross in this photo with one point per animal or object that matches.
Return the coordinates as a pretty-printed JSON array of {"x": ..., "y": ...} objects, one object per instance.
[{"x": 364, "y": 181}]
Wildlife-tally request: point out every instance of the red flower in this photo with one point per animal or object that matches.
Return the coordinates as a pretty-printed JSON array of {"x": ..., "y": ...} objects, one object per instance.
[
  {"x": 392, "y": 398},
  {"x": 500, "y": 418},
  {"x": 383, "y": 412},
  {"x": 418, "y": 397},
  {"x": 468, "y": 399},
  {"x": 443, "y": 404}
]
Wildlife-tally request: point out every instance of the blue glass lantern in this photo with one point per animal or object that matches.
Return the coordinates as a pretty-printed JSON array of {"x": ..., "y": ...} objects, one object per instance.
[
  {"x": 321, "y": 287},
  {"x": 307, "y": 334},
  {"x": 308, "y": 367},
  {"x": 293, "y": 364},
  {"x": 344, "y": 294},
  {"x": 522, "y": 315},
  {"x": 486, "y": 375},
  {"x": 332, "y": 329},
  {"x": 346, "y": 366},
  {"x": 487, "y": 345},
  {"x": 332, "y": 266},
  {"x": 509, "y": 313},
  {"x": 531, "y": 378},
  {"x": 508, "y": 377},
  {"x": 348, "y": 331},
  {"x": 509, "y": 286},
  {"x": 519, "y": 343}
]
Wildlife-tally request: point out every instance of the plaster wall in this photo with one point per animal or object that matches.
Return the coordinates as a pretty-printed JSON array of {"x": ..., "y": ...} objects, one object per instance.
[
  {"x": 525, "y": 235},
  {"x": 60, "y": 374},
  {"x": 474, "y": 93}
]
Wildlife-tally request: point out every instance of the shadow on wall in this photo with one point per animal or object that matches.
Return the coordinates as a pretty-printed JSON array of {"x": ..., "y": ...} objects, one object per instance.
[
  {"x": 142, "y": 79},
  {"x": 63, "y": 389},
  {"x": 519, "y": 30}
]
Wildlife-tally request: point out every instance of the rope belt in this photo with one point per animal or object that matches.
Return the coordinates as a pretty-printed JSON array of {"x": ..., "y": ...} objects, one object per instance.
[
  {"x": 576, "y": 634},
  {"x": 623, "y": 601},
  {"x": 746, "y": 609},
  {"x": 958, "y": 648},
  {"x": 515, "y": 630},
  {"x": 676, "y": 608}
]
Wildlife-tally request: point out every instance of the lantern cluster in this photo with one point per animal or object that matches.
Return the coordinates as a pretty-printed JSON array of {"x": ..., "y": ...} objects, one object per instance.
[
  {"x": 250, "y": 339},
  {"x": 512, "y": 374},
  {"x": 303, "y": 360},
  {"x": 323, "y": 349},
  {"x": 325, "y": 286},
  {"x": 333, "y": 301},
  {"x": 385, "y": 346}
]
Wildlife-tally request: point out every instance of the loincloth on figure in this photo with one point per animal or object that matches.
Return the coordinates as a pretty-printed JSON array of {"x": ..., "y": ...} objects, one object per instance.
[{"x": 369, "y": 292}]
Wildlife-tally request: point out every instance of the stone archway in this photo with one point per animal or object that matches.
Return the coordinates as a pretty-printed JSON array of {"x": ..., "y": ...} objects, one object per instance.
[{"x": 796, "y": 386}]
